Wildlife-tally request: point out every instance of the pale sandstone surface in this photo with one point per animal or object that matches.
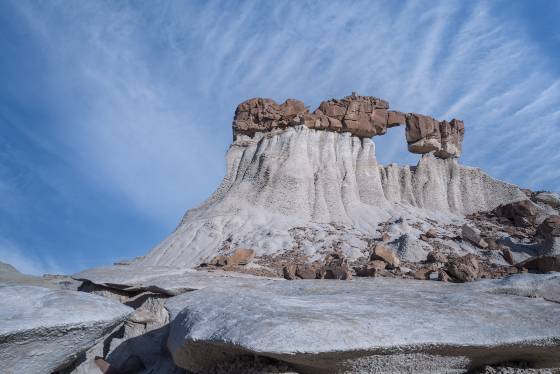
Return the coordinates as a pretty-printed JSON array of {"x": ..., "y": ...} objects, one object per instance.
[
  {"x": 329, "y": 326},
  {"x": 304, "y": 179},
  {"x": 167, "y": 280},
  {"x": 43, "y": 330}
]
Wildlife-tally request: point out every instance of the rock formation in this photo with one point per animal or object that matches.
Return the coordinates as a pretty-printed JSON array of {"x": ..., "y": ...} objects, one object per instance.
[
  {"x": 43, "y": 330},
  {"x": 384, "y": 325},
  {"x": 361, "y": 116},
  {"x": 285, "y": 173},
  {"x": 367, "y": 251}
]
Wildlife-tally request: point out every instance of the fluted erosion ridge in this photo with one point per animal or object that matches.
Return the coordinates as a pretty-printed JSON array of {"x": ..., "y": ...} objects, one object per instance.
[
  {"x": 362, "y": 116},
  {"x": 310, "y": 189}
]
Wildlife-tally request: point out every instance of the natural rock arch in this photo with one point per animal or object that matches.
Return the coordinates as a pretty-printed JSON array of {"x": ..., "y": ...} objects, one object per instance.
[{"x": 362, "y": 116}]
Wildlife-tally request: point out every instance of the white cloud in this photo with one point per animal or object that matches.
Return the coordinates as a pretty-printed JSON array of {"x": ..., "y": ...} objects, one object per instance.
[
  {"x": 160, "y": 84},
  {"x": 25, "y": 262}
]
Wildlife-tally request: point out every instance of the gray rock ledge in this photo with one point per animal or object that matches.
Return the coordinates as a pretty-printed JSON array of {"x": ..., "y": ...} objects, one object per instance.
[
  {"x": 371, "y": 325},
  {"x": 43, "y": 330}
]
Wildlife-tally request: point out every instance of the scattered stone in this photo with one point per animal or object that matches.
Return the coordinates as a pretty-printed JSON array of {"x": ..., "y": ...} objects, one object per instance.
[
  {"x": 240, "y": 257},
  {"x": 385, "y": 237},
  {"x": 308, "y": 271},
  {"x": 104, "y": 366},
  {"x": 443, "y": 276},
  {"x": 549, "y": 230},
  {"x": 436, "y": 257},
  {"x": 431, "y": 233},
  {"x": 542, "y": 264},
  {"x": 507, "y": 255},
  {"x": 381, "y": 252},
  {"x": 219, "y": 260},
  {"x": 463, "y": 269},
  {"x": 522, "y": 213},
  {"x": 142, "y": 315},
  {"x": 289, "y": 271},
  {"x": 336, "y": 267},
  {"x": 472, "y": 234},
  {"x": 492, "y": 244},
  {"x": 434, "y": 275},
  {"x": 422, "y": 274},
  {"x": 371, "y": 269},
  {"x": 550, "y": 198}
]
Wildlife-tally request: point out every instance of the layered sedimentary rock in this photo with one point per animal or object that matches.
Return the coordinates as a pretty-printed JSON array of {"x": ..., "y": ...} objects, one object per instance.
[
  {"x": 362, "y": 116},
  {"x": 381, "y": 325},
  {"x": 44, "y": 330},
  {"x": 425, "y": 134},
  {"x": 327, "y": 184}
]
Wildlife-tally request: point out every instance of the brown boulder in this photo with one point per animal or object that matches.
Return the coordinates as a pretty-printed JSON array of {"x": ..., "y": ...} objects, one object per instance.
[
  {"x": 380, "y": 252},
  {"x": 219, "y": 260},
  {"x": 451, "y": 139},
  {"x": 240, "y": 257},
  {"x": 463, "y": 269},
  {"x": 473, "y": 235},
  {"x": 507, "y": 255},
  {"x": 549, "y": 230},
  {"x": 422, "y": 274},
  {"x": 372, "y": 268},
  {"x": 289, "y": 272},
  {"x": 542, "y": 263},
  {"x": 419, "y": 126},
  {"x": 431, "y": 233},
  {"x": 443, "y": 276},
  {"x": 521, "y": 213},
  {"x": 336, "y": 267},
  {"x": 436, "y": 257},
  {"x": 308, "y": 271},
  {"x": 425, "y": 134}
]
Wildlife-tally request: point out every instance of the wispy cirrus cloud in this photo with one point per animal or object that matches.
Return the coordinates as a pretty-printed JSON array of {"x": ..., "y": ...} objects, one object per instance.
[
  {"x": 141, "y": 97},
  {"x": 26, "y": 263}
]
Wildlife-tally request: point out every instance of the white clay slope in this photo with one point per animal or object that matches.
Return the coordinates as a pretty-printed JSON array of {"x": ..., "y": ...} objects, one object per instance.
[{"x": 315, "y": 189}]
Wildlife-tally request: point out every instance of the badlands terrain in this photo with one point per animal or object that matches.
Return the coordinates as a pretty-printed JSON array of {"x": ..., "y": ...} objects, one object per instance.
[{"x": 311, "y": 257}]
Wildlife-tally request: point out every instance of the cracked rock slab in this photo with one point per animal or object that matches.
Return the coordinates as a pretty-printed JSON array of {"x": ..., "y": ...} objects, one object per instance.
[
  {"x": 329, "y": 326},
  {"x": 166, "y": 280},
  {"x": 43, "y": 330}
]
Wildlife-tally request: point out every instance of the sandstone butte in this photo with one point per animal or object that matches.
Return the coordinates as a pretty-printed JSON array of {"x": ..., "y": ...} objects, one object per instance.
[{"x": 311, "y": 257}]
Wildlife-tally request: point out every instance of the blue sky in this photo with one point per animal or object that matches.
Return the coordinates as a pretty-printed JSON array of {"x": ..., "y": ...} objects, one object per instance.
[{"x": 115, "y": 116}]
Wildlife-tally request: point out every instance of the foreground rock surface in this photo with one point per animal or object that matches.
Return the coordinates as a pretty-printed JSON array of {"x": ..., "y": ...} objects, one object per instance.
[
  {"x": 43, "y": 330},
  {"x": 377, "y": 325},
  {"x": 166, "y": 280}
]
